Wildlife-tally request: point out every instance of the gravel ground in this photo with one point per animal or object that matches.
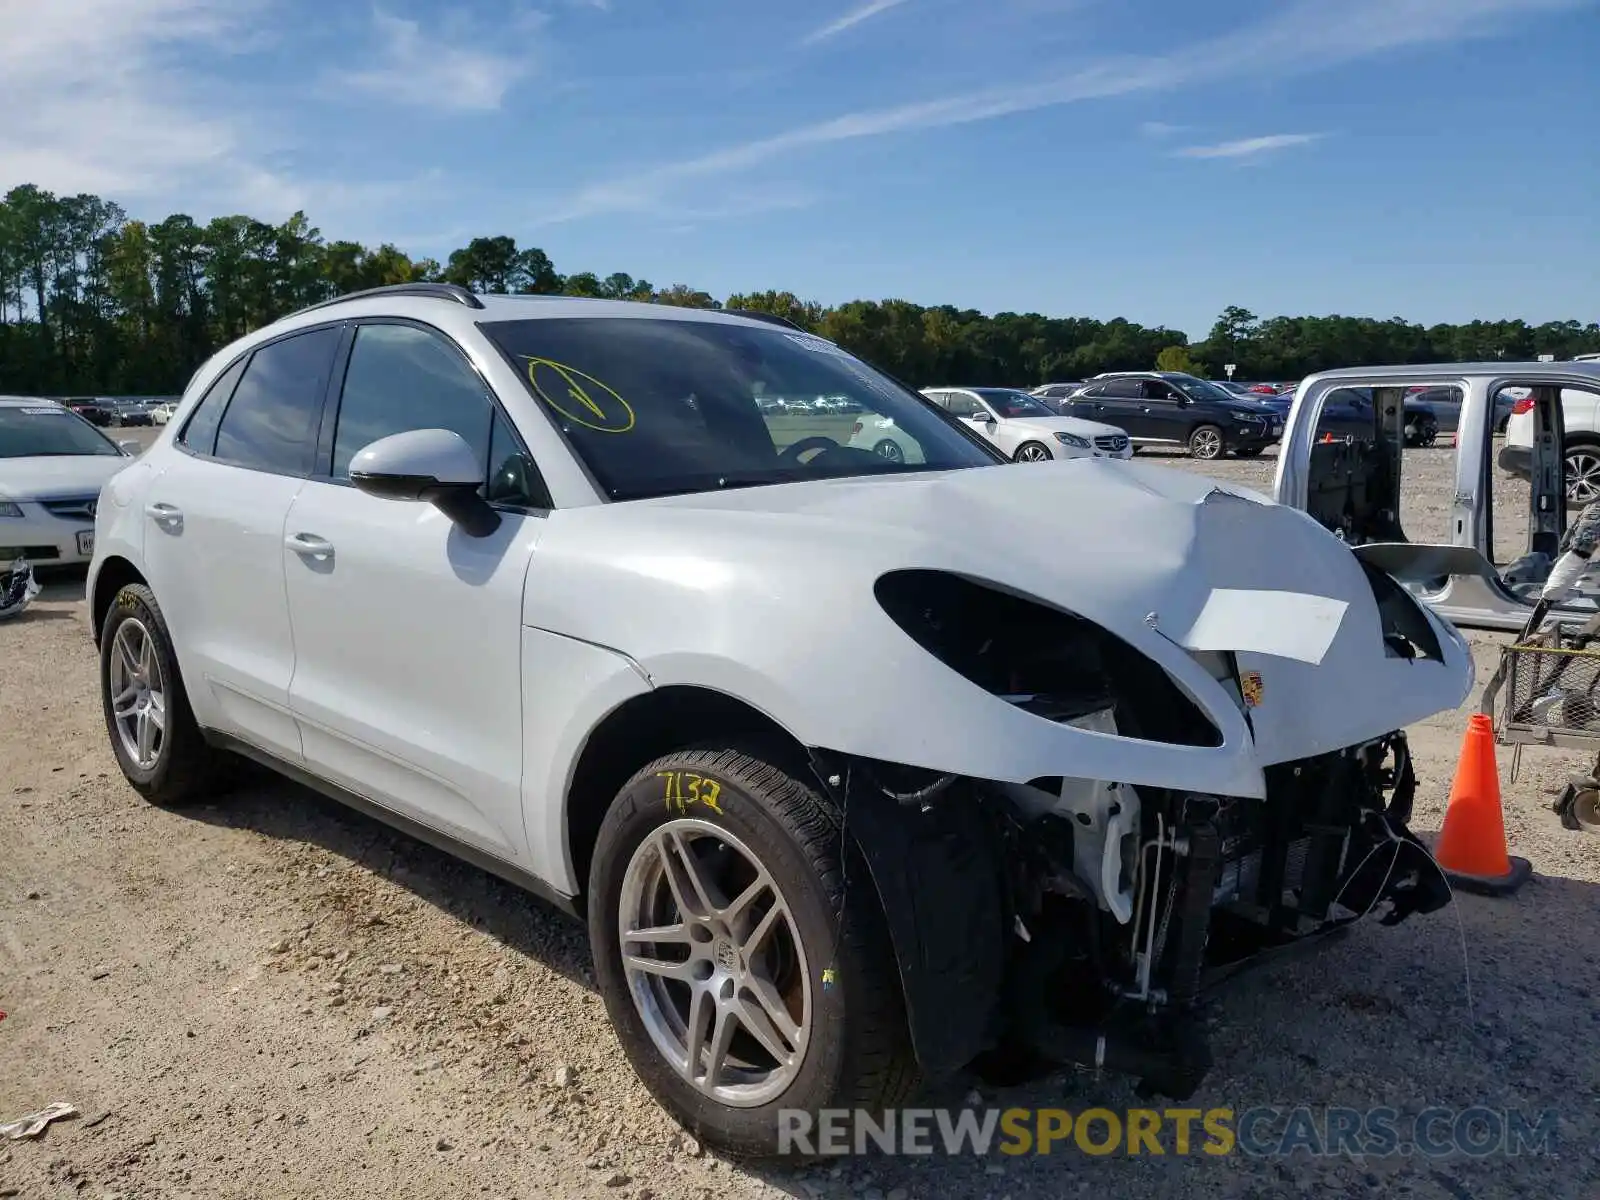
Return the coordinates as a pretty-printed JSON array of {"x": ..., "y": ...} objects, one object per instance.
[{"x": 274, "y": 997}]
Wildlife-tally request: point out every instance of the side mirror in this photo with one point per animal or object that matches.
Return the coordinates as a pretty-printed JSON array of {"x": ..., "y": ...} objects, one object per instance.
[
  {"x": 130, "y": 447},
  {"x": 434, "y": 465}
]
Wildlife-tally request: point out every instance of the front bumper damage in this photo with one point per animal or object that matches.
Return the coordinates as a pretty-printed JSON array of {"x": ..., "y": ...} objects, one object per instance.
[{"x": 1073, "y": 922}]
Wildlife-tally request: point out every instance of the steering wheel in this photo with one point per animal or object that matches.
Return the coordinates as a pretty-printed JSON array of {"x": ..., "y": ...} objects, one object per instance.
[{"x": 791, "y": 454}]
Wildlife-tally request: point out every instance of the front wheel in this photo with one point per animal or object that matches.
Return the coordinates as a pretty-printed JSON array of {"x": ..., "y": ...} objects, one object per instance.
[
  {"x": 742, "y": 976},
  {"x": 889, "y": 450},
  {"x": 1205, "y": 443},
  {"x": 1032, "y": 452}
]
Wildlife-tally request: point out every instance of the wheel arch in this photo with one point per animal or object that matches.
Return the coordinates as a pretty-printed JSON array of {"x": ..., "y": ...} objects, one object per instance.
[
  {"x": 114, "y": 574},
  {"x": 639, "y": 730}
]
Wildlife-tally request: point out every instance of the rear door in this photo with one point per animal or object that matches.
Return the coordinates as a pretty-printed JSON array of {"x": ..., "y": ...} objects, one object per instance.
[
  {"x": 213, "y": 543},
  {"x": 1117, "y": 403},
  {"x": 408, "y": 685}
]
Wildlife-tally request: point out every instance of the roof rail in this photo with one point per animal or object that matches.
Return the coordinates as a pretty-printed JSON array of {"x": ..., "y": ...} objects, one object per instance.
[
  {"x": 758, "y": 315},
  {"x": 438, "y": 291}
]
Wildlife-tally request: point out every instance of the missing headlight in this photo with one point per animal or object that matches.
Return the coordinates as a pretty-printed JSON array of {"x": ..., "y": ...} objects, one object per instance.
[
  {"x": 1048, "y": 662},
  {"x": 1406, "y": 630}
]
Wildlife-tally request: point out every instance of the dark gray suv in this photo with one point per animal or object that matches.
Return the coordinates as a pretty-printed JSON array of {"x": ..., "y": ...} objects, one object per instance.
[{"x": 1170, "y": 408}]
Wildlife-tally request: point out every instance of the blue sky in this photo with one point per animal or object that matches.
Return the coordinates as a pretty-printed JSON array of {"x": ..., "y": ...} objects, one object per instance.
[{"x": 1153, "y": 159}]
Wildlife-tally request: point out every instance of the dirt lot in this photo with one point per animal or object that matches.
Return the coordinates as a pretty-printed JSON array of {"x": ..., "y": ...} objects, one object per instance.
[{"x": 274, "y": 997}]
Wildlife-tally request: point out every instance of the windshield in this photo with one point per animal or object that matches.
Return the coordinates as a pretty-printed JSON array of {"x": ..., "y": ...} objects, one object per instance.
[
  {"x": 1198, "y": 389},
  {"x": 660, "y": 406},
  {"x": 1010, "y": 403},
  {"x": 30, "y": 431}
]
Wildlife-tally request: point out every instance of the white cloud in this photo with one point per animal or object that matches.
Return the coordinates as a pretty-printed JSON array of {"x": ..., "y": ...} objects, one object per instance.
[
  {"x": 1249, "y": 147},
  {"x": 1160, "y": 129},
  {"x": 1303, "y": 36},
  {"x": 850, "y": 19},
  {"x": 91, "y": 104},
  {"x": 433, "y": 70},
  {"x": 98, "y": 102}
]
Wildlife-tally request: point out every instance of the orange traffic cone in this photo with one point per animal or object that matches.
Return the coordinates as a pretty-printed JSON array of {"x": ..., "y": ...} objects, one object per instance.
[{"x": 1472, "y": 845}]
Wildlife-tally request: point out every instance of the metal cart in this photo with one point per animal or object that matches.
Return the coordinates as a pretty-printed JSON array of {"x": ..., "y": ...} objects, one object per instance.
[{"x": 1546, "y": 692}]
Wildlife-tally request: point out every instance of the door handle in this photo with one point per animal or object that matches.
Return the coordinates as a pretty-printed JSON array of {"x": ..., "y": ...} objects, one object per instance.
[
  {"x": 309, "y": 545},
  {"x": 169, "y": 517}
]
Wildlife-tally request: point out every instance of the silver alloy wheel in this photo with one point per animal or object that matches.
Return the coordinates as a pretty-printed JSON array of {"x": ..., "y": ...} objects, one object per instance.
[
  {"x": 722, "y": 984},
  {"x": 1205, "y": 443},
  {"x": 889, "y": 450},
  {"x": 138, "y": 697},
  {"x": 1583, "y": 476},
  {"x": 1033, "y": 452}
]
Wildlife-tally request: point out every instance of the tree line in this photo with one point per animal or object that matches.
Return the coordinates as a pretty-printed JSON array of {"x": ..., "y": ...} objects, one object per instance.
[{"x": 93, "y": 301}]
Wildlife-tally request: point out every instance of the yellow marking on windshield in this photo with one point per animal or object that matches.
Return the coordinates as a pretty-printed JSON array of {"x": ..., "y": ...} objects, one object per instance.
[{"x": 607, "y": 413}]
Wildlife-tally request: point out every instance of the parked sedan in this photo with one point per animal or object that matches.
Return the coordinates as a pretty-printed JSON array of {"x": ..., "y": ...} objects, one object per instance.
[
  {"x": 1025, "y": 430},
  {"x": 52, "y": 464}
]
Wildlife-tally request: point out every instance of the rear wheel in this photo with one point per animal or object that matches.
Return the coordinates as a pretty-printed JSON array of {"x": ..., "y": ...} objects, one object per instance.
[
  {"x": 1582, "y": 470},
  {"x": 153, "y": 732},
  {"x": 741, "y": 975},
  {"x": 1032, "y": 452},
  {"x": 1205, "y": 442}
]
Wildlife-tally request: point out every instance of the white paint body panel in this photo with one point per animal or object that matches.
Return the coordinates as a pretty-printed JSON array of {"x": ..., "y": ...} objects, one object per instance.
[
  {"x": 407, "y": 685},
  {"x": 457, "y": 681},
  {"x": 213, "y": 554}
]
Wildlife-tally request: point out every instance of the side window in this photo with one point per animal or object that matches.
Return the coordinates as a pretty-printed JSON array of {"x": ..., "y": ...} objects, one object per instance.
[
  {"x": 402, "y": 378},
  {"x": 1154, "y": 389},
  {"x": 200, "y": 431},
  {"x": 962, "y": 405},
  {"x": 512, "y": 478},
  {"x": 269, "y": 424},
  {"x": 1093, "y": 390},
  {"x": 1124, "y": 388}
]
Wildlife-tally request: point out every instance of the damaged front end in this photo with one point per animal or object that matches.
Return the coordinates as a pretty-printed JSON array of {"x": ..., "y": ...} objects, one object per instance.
[{"x": 1079, "y": 921}]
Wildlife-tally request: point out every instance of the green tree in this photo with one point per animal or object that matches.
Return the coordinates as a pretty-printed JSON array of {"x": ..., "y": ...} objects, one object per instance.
[
  {"x": 91, "y": 301},
  {"x": 1175, "y": 358}
]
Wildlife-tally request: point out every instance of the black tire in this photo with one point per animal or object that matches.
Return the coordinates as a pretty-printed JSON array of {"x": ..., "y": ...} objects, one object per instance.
[
  {"x": 858, "y": 1053},
  {"x": 1247, "y": 451},
  {"x": 889, "y": 450},
  {"x": 1032, "y": 452},
  {"x": 1206, "y": 443},
  {"x": 186, "y": 768}
]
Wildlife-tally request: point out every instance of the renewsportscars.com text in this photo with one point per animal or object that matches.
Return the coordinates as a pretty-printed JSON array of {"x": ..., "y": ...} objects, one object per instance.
[{"x": 1264, "y": 1132}]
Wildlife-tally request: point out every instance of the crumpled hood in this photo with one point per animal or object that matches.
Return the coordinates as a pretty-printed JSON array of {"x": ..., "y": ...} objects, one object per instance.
[
  {"x": 777, "y": 582},
  {"x": 52, "y": 476}
]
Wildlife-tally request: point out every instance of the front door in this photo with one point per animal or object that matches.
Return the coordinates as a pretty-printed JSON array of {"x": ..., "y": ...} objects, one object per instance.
[
  {"x": 1161, "y": 416},
  {"x": 408, "y": 681},
  {"x": 977, "y": 417},
  {"x": 214, "y": 536}
]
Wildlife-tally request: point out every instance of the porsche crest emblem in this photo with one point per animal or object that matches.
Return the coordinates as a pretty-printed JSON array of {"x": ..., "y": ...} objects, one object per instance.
[{"x": 1250, "y": 687}]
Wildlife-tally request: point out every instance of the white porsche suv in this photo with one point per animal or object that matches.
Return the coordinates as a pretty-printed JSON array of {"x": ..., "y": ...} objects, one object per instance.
[{"x": 857, "y": 769}]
